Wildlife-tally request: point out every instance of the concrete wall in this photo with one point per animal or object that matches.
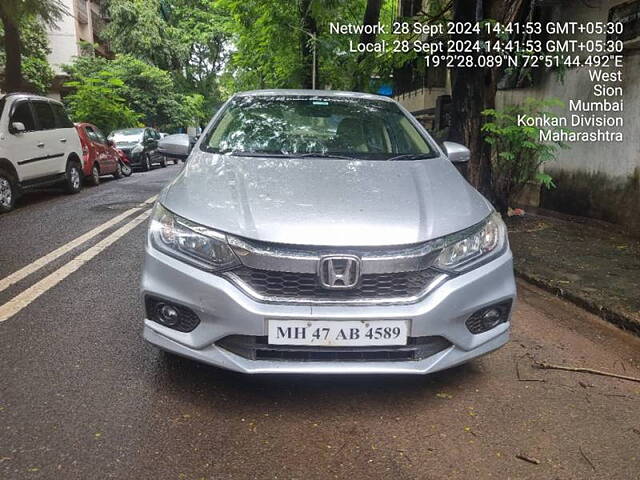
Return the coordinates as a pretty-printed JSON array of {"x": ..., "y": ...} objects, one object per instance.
[
  {"x": 594, "y": 179},
  {"x": 600, "y": 180},
  {"x": 63, "y": 40}
]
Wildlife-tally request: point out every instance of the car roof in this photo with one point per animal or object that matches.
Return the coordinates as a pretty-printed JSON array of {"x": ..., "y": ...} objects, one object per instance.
[
  {"x": 312, "y": 93},
  {"x": 30, "y": 96}
]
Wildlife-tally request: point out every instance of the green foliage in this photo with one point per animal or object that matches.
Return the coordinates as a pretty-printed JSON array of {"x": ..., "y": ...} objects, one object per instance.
[
  {"x": 97, "y": 99},
  {"x": 268, "y": 39},
  {"x": 144, "y": 89},
  {"x": 47, "y": 11},
  {"x": 138, "y": 28},
  {"x": 518, "y": 151},
  {"x": 35, "y": 68},
  {"x": 185, "y": 38}
]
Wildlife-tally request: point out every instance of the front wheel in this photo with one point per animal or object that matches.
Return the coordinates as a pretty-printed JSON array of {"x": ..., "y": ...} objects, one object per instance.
[
  {"x": 118, "y": 173},
  {"x": 7, "y": 192},
  {"x": 126, "y": 169},
  {"x": 146, "y": 162},
  {"x": 163, "y": 162},
  {"x": 73, "y": 178}
]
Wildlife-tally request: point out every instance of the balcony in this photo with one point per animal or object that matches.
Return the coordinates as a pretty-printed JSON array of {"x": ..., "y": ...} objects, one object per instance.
[{"x": 80, "y": 8}]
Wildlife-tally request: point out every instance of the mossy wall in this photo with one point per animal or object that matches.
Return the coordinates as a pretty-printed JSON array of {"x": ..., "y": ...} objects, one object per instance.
[{"x": 596, "y": 195}]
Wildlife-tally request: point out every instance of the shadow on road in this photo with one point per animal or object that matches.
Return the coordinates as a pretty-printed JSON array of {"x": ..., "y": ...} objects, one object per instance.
[{"x": 204, "y": 383}]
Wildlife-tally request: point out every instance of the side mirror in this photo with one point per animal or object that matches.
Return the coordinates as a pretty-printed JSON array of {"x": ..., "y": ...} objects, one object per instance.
[
  {"x": 193, "y": 140},
  {"x": 17, "y": 127},
  {"x": 457, "y": 153}
]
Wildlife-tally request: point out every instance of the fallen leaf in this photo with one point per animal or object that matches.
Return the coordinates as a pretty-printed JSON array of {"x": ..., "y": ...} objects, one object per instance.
[{"x": 444, "y": 395}]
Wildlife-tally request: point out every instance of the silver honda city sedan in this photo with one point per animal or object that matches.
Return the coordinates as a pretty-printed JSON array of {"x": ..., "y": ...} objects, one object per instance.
[{"x": 325, "y": 232}]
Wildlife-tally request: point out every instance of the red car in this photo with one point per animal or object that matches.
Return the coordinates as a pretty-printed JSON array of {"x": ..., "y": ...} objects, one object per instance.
[{"x": 100, "y": 157}]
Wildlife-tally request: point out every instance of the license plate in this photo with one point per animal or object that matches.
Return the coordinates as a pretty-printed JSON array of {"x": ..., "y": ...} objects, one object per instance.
[{"x": 338, "y": 333}]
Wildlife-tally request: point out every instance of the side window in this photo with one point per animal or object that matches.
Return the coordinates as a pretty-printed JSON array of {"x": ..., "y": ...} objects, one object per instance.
[
  {"x": 44, "y": 114},
  {"x": 98, "y": 136},
  {"x": 62, "y": 119},
  {"x": 156, "y": 134},
  {"x": 22, "y": 113},
  {"x": 91, "y": 134}
]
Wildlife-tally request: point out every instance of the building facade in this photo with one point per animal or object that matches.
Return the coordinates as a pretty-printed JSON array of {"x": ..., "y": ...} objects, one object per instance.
[{"x": 84, "y": 25}]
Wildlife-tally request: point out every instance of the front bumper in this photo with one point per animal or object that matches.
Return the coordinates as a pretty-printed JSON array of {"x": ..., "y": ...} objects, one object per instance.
[{"x": 225, "y": 310}]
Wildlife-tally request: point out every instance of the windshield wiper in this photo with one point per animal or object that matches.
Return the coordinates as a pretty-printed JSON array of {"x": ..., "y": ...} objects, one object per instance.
[
  {"x": 322, "y": 155},
  {"x": 411, "y": 156},
  {"x": 240, "y": 153}
]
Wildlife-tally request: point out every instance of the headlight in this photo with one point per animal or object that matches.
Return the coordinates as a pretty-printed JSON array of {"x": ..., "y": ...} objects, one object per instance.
[
  {"x": 466, "y": 249},
  {"x": 190, "y": 242}
]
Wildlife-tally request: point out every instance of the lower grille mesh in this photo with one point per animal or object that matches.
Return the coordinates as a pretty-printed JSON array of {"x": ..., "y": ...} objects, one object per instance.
[
  {"x": 269, "y": 283},
  {"x": 258, "y": 348}
]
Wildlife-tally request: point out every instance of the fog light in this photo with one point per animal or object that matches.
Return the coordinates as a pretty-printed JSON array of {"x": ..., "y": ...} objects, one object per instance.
[
  {"x": 171, "y": 315},
  {"x": 489, "y": 317},
  {"x": 167, "y": 314}
]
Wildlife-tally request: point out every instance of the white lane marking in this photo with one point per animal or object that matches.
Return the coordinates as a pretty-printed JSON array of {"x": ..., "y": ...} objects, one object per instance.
[
  {"x": 18, "y": 275},
  {"x": 20, "y": 301}
]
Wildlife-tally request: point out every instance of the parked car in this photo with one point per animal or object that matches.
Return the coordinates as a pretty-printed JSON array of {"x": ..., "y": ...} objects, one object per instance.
[
  {"x": 175, "y": 147},
  {"x": 325, "y": 232},
  {"x": 38, "y": 147},
  {"x": 99, "y": 155},
  {"x": 140, "y": 145}
]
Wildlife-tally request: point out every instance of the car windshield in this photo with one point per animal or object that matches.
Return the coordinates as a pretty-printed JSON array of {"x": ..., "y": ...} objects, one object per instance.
[
  {"x": 130, "y": 135},
  {"x": 330, "y": 126}
]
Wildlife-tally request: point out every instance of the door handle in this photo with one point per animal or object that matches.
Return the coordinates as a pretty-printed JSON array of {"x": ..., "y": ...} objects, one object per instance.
[
  {"x": 40, "y": 144},
  {"x": 63, "y": 140}
]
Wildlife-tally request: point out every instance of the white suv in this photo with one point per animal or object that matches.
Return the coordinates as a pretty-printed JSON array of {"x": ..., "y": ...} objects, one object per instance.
[{"x": 39, "y": 146}]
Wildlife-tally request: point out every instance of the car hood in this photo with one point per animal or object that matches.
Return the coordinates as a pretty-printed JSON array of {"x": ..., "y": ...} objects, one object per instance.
[{"x": 332, "y": 202}]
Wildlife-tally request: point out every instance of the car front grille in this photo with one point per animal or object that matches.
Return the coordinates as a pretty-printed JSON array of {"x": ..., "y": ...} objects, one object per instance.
[
  {"x": 267, "y": 284},
  {"x": 258, "y": 348}
]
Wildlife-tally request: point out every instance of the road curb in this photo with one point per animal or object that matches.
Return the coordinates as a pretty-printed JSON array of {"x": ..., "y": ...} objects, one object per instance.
[{"x": 611, "y": 315}]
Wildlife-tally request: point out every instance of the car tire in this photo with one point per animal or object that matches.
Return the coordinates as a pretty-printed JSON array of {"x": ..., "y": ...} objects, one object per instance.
[
  {"x": 163, "y": 162},
  {"x": 118, "y": 173},
  {"x": 94, "y": 178},
  {"x": 126, "y": 169},
  {"x": 146, "y": 162},
  {"x": 73, "y": 178},
  {"x": 8, "y": 191}
]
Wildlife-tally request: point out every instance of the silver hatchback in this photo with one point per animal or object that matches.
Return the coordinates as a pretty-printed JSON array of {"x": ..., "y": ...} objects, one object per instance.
[{"x": 325, "y": 232}]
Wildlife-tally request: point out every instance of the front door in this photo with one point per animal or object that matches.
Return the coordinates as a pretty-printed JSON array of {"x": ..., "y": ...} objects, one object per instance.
[
  {"x": 28, "y": 146},
  {"x": 50, "y": 141}
]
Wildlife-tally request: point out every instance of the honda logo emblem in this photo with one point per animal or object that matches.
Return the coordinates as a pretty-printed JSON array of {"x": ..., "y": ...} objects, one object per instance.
[{"x": 339, "y": 272}]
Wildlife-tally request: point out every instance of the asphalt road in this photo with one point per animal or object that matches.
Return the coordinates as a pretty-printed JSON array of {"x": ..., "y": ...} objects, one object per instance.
[{"x": 83, "y": 397}]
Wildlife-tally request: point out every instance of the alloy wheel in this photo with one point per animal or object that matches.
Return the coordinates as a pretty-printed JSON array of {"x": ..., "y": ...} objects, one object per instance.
[
  {"x": 6, "y": 193},
  {"x": 75, "y": 177}
]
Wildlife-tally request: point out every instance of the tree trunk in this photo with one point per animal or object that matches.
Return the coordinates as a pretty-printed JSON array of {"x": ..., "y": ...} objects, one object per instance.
[
  {"x": 469, "y": 96},
  {"x": 371, "y": 17},
  {"x": 310, "y": 26},
  {"x": 12, "y": 47}
]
